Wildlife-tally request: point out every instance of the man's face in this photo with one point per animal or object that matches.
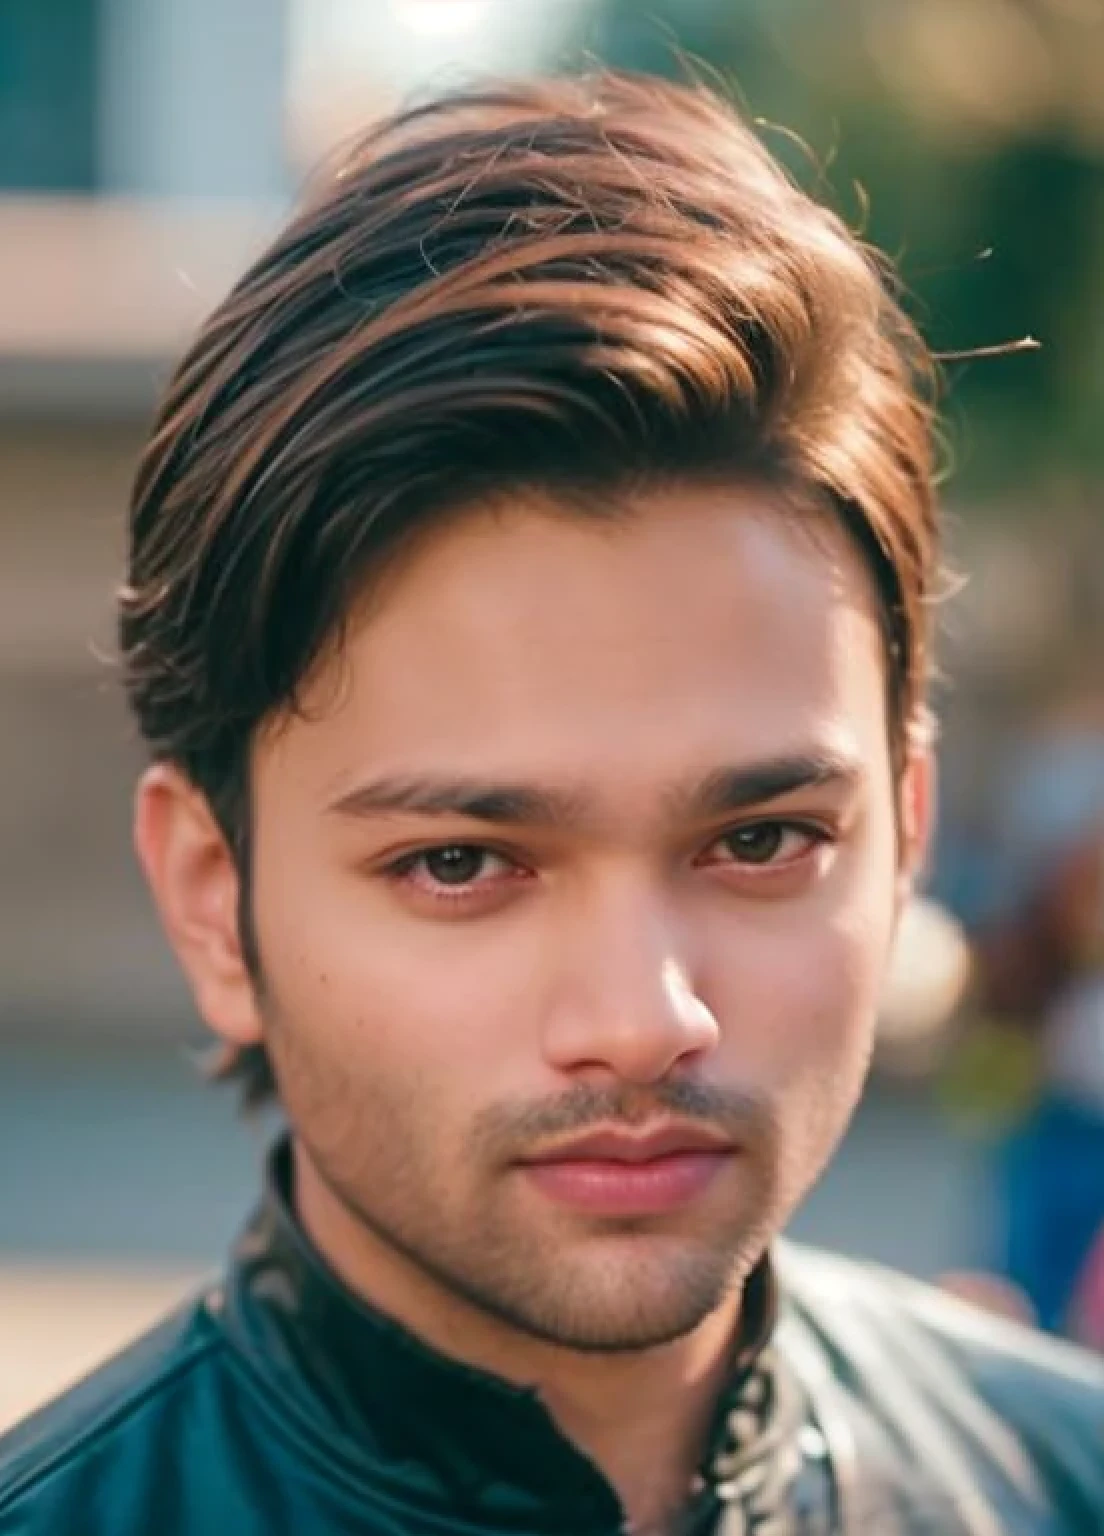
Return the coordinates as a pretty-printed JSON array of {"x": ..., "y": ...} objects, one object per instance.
[{"x": 528, "y": 868}]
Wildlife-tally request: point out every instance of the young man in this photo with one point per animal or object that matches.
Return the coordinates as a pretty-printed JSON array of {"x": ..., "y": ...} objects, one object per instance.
[{"x": 528, "y": 618}]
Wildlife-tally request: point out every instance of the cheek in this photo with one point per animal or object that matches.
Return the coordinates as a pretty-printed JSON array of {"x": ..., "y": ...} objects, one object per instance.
[
  {"x": 386, "y": 1000},
  {"x": 785, "y": 1016},
  {"x": 797, "y": 991}
]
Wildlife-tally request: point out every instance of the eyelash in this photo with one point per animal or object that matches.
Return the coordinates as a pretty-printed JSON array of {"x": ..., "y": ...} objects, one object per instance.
[{"x": 402, "y": 870}]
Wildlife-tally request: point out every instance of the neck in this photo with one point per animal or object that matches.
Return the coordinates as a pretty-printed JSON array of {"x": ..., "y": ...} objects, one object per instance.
[{"x": 641, "y": 1417}]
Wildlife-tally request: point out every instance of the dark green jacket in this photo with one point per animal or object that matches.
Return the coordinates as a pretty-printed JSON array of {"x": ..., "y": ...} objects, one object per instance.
[{"x": 277, "y": 1405}]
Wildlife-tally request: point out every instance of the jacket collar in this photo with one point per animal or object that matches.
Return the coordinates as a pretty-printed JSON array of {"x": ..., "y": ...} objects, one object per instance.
[{"x": 422, "y": 1426}]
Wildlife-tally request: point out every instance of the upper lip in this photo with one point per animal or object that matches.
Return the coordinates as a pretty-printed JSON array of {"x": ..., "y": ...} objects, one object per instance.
[{"x": 625, "y": 1147}]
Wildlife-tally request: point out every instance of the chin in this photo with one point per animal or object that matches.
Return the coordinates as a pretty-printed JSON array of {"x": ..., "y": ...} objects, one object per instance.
[
  {"x": 613, "y": 1330},
  {"x": 634, "y": 1301}
]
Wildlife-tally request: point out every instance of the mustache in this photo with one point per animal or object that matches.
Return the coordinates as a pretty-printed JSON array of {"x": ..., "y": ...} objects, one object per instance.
[{"x": 741, "y": 1116}]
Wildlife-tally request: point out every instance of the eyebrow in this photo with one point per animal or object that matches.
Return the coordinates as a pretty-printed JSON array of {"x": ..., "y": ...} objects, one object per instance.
[{"x": 724, "y": 791}]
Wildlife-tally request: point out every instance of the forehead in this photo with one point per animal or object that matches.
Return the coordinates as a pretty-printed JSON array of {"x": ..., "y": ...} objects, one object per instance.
[{"x": 691, "y": 627}]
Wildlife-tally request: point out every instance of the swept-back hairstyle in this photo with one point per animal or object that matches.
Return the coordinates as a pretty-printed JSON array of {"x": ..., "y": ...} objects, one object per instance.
[{"x": 571, "y": 286}]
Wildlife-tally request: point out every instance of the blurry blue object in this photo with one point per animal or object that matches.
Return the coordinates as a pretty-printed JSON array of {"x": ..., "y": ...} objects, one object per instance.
[
  {"x": 964, "y": 878},
  {"x": 1051, "y": 1176}
]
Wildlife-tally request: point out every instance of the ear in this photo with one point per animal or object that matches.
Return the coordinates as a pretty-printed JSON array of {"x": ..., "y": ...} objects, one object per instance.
[
  {"x": 917, "y": 806},
  {"x": 194, "y": 881}
]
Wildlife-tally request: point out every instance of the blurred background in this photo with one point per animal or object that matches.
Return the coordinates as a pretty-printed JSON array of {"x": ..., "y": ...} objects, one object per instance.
[{"x": 147, "y": 149}]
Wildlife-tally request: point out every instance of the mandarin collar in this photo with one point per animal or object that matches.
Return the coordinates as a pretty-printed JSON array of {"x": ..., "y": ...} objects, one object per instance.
[{"x": 419, "y": 1425}]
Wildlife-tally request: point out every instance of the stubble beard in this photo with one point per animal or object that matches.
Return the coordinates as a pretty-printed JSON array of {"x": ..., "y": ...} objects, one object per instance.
[
  {"x": 571, "y": 1282},
  {"x": 609, "y": 1288},
  {"x": 635, "y": 1300}
]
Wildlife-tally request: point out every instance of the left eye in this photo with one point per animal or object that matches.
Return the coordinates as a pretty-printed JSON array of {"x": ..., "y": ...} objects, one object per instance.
[{"x": 768, "y": 842}]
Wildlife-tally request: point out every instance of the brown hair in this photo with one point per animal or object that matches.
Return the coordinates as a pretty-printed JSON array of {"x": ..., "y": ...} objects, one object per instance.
[{"x": 561, "y": 285}]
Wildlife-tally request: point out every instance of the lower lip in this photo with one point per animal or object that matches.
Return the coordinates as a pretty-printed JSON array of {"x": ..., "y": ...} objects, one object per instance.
[{"x": 607, "y": 1188}]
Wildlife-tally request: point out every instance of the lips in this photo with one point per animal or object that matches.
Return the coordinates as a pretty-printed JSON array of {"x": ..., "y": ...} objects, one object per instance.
[
  {"x": 614, "y": 1174},
  {"x": 624, "y": 1147}
]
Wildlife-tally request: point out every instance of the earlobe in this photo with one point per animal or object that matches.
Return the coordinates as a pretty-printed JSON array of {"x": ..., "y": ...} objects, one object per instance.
[
  {"x": 195, "y": 885},
  {"x": 919, "y": 783}
]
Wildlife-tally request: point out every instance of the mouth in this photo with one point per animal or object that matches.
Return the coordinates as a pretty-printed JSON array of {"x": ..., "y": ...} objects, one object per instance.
[{"x": 619, "y": 1174}]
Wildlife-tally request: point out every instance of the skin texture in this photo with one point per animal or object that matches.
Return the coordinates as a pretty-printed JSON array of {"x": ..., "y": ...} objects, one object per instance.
[{"x": 639, "y": 958}]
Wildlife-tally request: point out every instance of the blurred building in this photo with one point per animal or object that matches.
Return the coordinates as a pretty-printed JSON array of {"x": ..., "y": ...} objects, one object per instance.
[
  {"x": 139, "y": 165},
  {"x": 147, "y": 149}
]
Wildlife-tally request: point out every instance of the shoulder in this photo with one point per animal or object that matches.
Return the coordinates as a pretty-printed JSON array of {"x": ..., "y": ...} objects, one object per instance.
[
  {"x": 999, "y": 1356},
  {"x": 107, "y": 1425},
  {"x": 1008, "y": 1393}
]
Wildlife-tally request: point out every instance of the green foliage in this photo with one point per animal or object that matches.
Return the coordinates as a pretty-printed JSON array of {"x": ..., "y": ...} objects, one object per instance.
[{"x": 965, "y": 138}]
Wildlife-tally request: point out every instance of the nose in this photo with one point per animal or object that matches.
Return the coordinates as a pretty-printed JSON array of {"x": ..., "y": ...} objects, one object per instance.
[{"x": 623, "y": 1000}]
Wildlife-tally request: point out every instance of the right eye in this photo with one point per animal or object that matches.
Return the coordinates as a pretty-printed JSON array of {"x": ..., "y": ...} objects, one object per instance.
[{"x": 453, "y": 871}]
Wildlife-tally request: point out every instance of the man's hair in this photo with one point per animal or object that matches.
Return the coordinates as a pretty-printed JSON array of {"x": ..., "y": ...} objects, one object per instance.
[{"x": 574, "y": 287}]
